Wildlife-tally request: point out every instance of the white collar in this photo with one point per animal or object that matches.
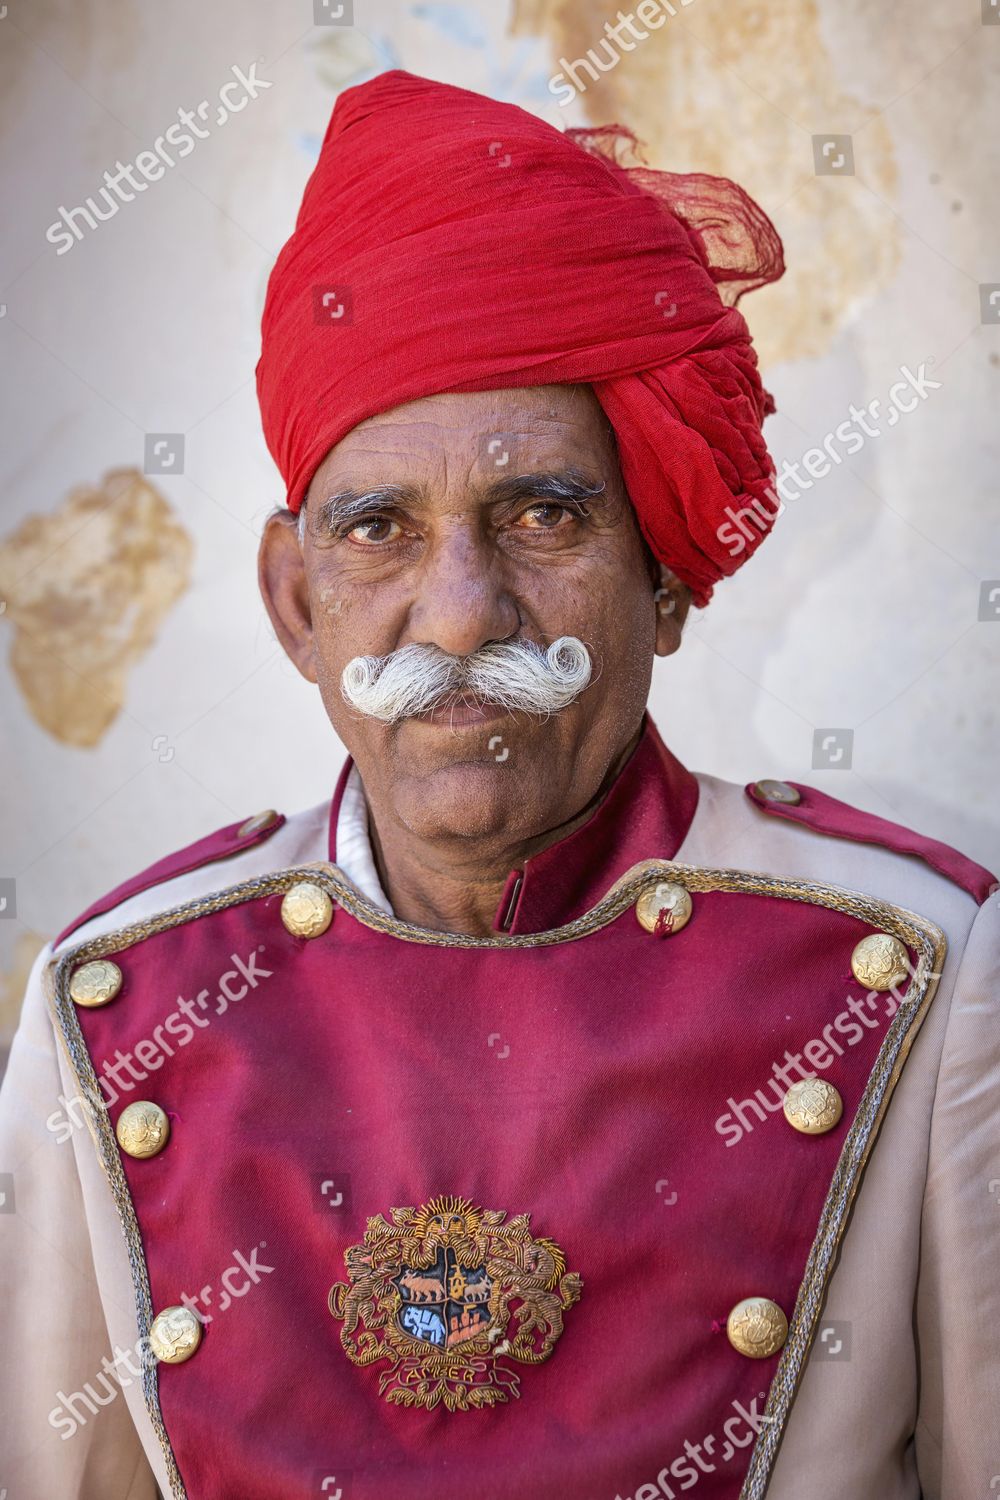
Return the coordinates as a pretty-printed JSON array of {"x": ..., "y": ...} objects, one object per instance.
[{"x": 354, "y": 849}]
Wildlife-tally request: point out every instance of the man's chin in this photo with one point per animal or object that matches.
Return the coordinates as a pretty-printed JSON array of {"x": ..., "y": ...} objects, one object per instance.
[{"x": 465, "y": 789}]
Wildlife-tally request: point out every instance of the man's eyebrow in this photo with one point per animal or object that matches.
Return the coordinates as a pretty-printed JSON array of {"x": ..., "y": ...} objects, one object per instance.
[
  {"x": 561, "y": 485},
  {"x": 570, "y": 485},
  {"x": 348, "y": 504}
]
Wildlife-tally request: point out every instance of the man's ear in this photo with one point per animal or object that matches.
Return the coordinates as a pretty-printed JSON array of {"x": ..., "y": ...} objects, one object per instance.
[
  {"x": 671, "y": 600},
  {"x": 281, "y": 574}
]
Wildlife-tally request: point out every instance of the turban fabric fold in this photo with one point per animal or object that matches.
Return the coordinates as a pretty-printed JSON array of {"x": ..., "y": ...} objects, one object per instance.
[{"x": 449, "y": 242}]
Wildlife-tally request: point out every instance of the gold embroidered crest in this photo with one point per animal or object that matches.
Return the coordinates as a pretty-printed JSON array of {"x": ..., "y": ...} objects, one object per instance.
[{"x": 450, "y": 1296}]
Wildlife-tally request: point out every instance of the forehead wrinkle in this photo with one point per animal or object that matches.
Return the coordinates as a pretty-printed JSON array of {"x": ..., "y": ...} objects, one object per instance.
[
  {"x": 389, "y": 439},
  {"x": 526, "y": 420}
]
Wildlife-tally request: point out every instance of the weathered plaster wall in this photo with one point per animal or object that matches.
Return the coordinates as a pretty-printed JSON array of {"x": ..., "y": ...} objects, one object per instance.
[{"x": 146, "y": 700}]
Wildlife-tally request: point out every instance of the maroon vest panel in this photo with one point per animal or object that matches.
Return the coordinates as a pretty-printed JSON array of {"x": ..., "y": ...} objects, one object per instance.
[{"x": 616, "y": 1087}]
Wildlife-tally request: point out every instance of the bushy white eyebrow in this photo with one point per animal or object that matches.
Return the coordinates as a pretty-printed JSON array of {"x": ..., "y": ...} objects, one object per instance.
[{"x": 348, "y": 505}]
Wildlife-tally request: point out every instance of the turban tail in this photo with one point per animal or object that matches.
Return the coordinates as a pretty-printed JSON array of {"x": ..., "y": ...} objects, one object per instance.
[{"x": 448, "y": 242}]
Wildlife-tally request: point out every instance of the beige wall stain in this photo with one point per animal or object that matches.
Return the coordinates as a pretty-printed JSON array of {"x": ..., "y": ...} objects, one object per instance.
[
  {"x": 738, "y": 91},
  {"x": 89, "y": 41},
  {"x": 14, "y": 981},
  {"x": 85, "y": 590}
]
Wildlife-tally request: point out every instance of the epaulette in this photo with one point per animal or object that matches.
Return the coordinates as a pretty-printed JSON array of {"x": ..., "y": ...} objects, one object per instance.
[
  {"x": 815, "y": 810},
  {"x": 221, "y": 844}
]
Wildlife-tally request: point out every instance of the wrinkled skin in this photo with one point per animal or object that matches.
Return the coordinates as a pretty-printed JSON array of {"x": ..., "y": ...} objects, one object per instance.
[{"x": 454, "y": 564}]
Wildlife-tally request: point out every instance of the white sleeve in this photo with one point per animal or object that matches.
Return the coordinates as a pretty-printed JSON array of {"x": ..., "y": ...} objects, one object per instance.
[
  {"x": 958, "y": 1294},
  {"x": 56, "y": 1439}
]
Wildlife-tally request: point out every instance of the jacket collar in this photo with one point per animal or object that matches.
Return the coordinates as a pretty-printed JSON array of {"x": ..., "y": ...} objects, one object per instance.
[{"x": 645, "y": 814}]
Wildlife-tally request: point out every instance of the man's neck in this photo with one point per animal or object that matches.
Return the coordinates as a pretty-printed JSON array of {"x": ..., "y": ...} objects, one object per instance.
[{"x": 454, "y": 888}]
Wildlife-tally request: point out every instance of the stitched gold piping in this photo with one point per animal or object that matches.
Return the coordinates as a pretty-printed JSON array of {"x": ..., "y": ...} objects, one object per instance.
[
  {"x": 99, "y": 1125},
  {"x": 919, "y": 934}
]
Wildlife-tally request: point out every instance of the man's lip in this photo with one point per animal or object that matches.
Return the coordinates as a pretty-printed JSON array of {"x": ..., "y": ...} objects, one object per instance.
[{"x": 461, "y": 711}]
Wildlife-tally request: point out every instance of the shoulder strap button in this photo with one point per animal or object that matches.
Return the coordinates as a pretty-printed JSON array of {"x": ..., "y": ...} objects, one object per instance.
[
  {"x": 257, "y": 823},
  {"x": 778, "y": 791}
]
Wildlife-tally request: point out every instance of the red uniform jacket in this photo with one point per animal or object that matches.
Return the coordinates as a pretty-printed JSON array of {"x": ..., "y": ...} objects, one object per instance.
[{"x": 463, "y": 1216}]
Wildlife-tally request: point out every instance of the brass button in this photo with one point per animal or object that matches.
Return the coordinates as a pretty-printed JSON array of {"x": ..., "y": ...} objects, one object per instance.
[
  {"x": 142, "y": 1129},
  {"x": 664, "y": 908},
  {"x": 813, "y": 1106},
  {"x": 757, "y": 1327},
  {"x": 880, "y": 962},
  {"x": 257, "y": 823},
  {"x": 174, "y": 1335},
  {"x": 307, "y": 910},
  {"x": 95, "y": 983},
  {"x": 778, "y": 791}
]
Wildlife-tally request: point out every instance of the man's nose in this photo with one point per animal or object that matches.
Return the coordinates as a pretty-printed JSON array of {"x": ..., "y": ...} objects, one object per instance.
[{"x": 463, "y": 598}]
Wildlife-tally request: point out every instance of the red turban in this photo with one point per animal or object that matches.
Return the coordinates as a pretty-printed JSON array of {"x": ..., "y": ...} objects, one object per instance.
[{"x": 448, "y": 242}]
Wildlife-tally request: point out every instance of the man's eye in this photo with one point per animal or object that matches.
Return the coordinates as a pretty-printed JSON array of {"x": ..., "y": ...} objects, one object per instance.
[
  {"x": 546, "y": 515},
  {"x": 374, "y": 529}
]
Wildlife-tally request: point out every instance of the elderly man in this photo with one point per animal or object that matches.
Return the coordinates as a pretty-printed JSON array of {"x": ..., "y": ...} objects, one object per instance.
[{"x": 531, "y": 1117}]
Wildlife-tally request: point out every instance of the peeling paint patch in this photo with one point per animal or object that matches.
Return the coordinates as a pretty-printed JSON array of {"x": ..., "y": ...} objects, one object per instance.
[
  {"x": 14, "y": 981},
  {"x": 739, "y": 91},
  {"x": 85, "y": 590}
]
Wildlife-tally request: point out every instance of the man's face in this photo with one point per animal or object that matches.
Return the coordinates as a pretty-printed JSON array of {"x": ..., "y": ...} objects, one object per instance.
[{"x": 461, "y": 544}]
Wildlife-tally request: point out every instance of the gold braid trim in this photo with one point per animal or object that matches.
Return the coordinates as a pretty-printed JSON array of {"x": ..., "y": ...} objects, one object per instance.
[
  {"x": 56, "y": 979},
  {"x": 919, "y": 934}
]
